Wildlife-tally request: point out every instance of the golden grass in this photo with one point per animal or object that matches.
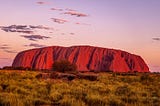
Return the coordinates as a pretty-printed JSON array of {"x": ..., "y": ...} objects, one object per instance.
[{"x": 22, "y": 88}]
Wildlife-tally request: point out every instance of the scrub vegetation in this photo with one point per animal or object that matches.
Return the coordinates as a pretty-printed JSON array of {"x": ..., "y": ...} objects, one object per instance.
[{"x": 33, "y": 88}]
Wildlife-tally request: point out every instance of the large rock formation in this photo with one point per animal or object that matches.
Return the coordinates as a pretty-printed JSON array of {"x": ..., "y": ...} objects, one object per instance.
[{"x": 86, "y": 57}]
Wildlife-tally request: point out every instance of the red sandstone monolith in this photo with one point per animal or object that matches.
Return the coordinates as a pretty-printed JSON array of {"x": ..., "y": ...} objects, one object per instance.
[{"x": 86, "y": 58}]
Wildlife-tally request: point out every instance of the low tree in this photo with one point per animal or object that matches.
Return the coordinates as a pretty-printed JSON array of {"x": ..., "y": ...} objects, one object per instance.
[
  {"x": 8, "y": 68},
  {"x": 64, "y": 66}
]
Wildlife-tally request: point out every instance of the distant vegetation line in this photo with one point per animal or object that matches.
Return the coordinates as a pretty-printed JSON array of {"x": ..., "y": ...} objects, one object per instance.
[{"x": 51, "y": 70}]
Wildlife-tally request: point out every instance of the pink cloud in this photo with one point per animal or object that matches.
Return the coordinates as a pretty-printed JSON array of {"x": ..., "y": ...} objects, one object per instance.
[
  {"x": 35, "y": 45},
  {"x": 60, "y": 21},
  {"x": 68, "y": 9},
  {"x": 78, "y": 23},
  {"x": 156, "y": 39},
  {"x": 40, "y": 2},
  {"x": 35, "y": 37},
  {"x": 56, "y": 9},
  {"x": 77, "y": 14}
]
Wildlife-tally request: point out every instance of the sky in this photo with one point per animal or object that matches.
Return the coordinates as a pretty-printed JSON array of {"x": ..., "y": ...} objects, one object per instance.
[{"x": 129, "y": 25}]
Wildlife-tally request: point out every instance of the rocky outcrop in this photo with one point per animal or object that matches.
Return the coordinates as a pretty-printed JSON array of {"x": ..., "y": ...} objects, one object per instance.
[{"x": 85, "y": 57}]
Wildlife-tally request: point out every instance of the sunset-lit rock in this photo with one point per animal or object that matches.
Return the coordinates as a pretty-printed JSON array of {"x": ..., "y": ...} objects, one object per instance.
[{"x": 85, "y": 57}]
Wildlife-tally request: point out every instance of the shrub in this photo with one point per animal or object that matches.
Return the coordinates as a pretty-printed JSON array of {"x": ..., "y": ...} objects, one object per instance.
[
  {"x": 115, "y": 102},
  {"x": 22, "y": 68},
  {"x": 130, "y": 99},
  {"x": 146, "y": 77},
  {"x": 63, "y": 66},
  {"x": 8, "y": 68},
  {"x": 17, "y": 68},
  {"x": 122, "y": 90},
  {"x": 90, "y": 77}
]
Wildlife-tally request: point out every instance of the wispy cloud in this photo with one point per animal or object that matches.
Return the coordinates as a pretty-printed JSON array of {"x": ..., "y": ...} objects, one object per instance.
[
  {"x": 35, "y": 37},
  {"x": 7, "y": 48},
  {"x": 60, "y": 9},
  {"x": 68, "y": 9},
  {"x": 27, "y": 29},
  {"x": 68, "y": 33},
  {"x": 56, "y": 9},
  {"x": 156, "y": 39},
  {"x": 72, "y": 33},
  {"x": 10, "y": 51},
  {"x": 40, "y": 2},
  {"x": 35, "y": 45},
  {"x": 77, "y": 14},
  {"x": 17, "y": 28},
  {"x": 40, "y": 27},
  {"x": 78, "y": 23},
  {"x": 60, "y": 21},
  {"x": 4, "y": 47}
]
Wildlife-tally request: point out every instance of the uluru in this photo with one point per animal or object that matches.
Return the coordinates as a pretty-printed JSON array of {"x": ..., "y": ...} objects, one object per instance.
[{"x": 86, "y": 58}]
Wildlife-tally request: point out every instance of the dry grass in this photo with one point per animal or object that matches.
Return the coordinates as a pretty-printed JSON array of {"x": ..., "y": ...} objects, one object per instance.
[{"x": 23, "y": 88}]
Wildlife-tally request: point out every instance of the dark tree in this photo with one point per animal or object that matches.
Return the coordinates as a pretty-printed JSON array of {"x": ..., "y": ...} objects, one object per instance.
[{"x": 64, "y": 66}]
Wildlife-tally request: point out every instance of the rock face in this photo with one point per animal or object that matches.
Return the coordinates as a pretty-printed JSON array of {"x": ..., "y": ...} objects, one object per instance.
[{"x": 85, "y": 57}]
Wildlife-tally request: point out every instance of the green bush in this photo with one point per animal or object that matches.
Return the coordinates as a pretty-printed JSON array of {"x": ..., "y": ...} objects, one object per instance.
[{"x": 64, "y": 66}]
